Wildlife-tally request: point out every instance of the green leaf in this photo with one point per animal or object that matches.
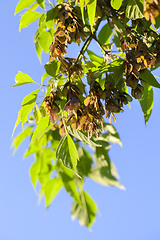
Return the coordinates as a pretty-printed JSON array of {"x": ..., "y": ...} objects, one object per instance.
[
  {"x": 148, "y": 77},
  {"x": 82, "y": 9},
  {"x": 105, "y": 34},
  {"x": 42, "y": 127},
  {"x": 35, "y": 147},
  {"x": 22, "y": 4},
  {"x": 72, "y": 151},
  {"x": 28, "y": 104},
  {"x": 91, "y": 8},
  {"x": 94, "y": 58},
  {"x": 41, "y": 3},
  {"x": 22, "y": 78},
  {"x": 27, "y": 18},
  {"x": 87, "y": 212},
  {"x": 71, "y": 187},
  {"x": 157, "y": 25},
  {"x": 134, "y": 9},
  {"x": 84, "y": 163},
  {"x": 146, "y": 102},
  {"x": 37, "y": 114},
  {"x": 20, "y": 137},
  {"x": 34, "y": 171},
  {"x": 33, "y": 7},
  {"x": 51, "y": 14},
  {"x": 83, "y": 137},
  {"x": 45, "y": 75},
  {"x": 67, "y": 155},
  {"x": 112, "y": 67},
  {"x": 116, "y": 4},
  {"x": 38, "y": 50},
  {"x": 37, "y": 46},
  {"x": 101, "y": 174},
  {"x": 101, "y": 157},
  {"x": 51, "y": 189},
  {"x": 107, "y": 137},
  {"x": 44, "y": 40},
  {"x": 52, "y": 67},
  {"x": 17, "y": 121}
]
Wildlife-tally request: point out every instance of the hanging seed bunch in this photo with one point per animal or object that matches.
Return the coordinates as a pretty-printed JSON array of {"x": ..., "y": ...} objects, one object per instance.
[
  {"x": 114, "y": 99},
  {"x": 68, "y": 66},
  {"x": 151, "y": 10},
  {"x": 86, "y": 114},
  {"x": 138, "y": 58},
  {"x": 93, "y": 111},
  {"x": 51, "y": 107},
  {"x": 69, "y": 28}
]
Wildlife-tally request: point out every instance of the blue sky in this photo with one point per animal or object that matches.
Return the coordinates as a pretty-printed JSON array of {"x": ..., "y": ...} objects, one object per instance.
[{"x": 131, "y": 214}]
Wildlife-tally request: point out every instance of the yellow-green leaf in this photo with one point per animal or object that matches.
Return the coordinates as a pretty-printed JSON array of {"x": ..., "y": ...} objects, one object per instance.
[
  {"x": 22, "y": 78},
  {"x": 27, "y": 105},
  {"x": 43, "y": 127},
  {"x": 17, "y": 121},
  {"x": 22, "y": 4},
  {"x": 91, "y": 8},
  {"x": 45, "y": 40},
  {"x": 116, "y": 4},
  {"x": 27, "y": 18},
  {"x": 51, "y": 188},
  {"x": 146, "y": 102}
]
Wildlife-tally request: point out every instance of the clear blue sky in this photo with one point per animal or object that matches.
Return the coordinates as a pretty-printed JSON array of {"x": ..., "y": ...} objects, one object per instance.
[{"x": 124, "y": 215}]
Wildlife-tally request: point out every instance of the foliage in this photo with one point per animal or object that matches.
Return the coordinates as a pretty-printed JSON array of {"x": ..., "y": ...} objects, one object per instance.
[{"x": 69, "y": 119}]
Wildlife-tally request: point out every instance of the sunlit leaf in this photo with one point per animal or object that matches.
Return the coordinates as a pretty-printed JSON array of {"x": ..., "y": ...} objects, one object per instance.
[
  {"x": 17, "y": 121},
  {"x": 27, "y": 18},
  {"x": 116, "y": 63},
  {"x": 37, "y": 114},
  {"x": 82, "y": 8},
  {"x": 20, "y": 137},
  {"x": 67, "y": 154},
  {"x": 87, "y": 212},
  {"x": 85, "y": 162},
  {"x": 93, "y": 57},
  {"x": 28, "y": 104},
  {"x": 32, "y": 149},
  {"x": 101, "y": 157},
  {"x": 101, "y": 174},
  {"x": 116, "y": 4},
  {"x": 91, "y": 8},
  {"x": 83, "y": 137},
  {"x": 146, "y": 102},
  {"x": 105, "y": 34},
  {"x": 51, "y": 189},
  {"x": 22, "y": 78},
  {"x": 134, "y": 9},
  {"x": 42, "y": 127},
  {"x": 41, "y": 3},
  {"x": 44, "y": 76},
  {"x": 72, "y": 151},
  {"x": 22, "y": 4},
  {"x": 71, "y": 187},
  {"x": 34, "y": 171},
  {"x": 44, "y": 40},
  {"x": 148, "y": 77},
  {"x": 52, "y": 68}
]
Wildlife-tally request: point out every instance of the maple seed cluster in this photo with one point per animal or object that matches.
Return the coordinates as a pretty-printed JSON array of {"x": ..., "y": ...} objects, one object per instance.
[
  {"x": 114, "y": 99},
  {"x": 84, "y": 114},
  {"x": 69, "y": 28},
  {"x": 151, "y": 10},
  {"x": 51, "y": 107},
  {"x": 138, "y": 58}
]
